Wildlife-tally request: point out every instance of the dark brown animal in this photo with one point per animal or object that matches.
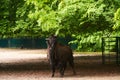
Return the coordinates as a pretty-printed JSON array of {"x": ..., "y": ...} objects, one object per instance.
[{"x": 59, "y": 55}]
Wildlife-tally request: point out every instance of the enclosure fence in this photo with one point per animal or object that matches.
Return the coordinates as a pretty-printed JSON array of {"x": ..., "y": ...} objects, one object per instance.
[
  {"x": 31, "y": 43},
  {"x": 111, "y": 50}
]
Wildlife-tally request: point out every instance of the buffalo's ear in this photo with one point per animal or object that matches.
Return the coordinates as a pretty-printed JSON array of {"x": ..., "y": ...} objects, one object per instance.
[
  {"x": 46, "y": 39},
  {"x": 55, "y": 36}
]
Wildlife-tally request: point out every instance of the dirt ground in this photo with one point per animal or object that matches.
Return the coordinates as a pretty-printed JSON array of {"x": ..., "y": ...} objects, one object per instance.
[{"x": 17, "y": 64}]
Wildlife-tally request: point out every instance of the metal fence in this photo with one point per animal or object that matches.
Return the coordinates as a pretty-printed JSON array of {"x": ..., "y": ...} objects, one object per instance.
[
  {"x": 23, "y": 43},
  {"x": 111, "y": 50},
  {"x": 32, "y": 43}
]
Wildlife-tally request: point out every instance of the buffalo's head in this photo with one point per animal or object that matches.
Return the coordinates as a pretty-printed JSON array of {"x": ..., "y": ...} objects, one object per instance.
[{"x": 51, "y": 41}]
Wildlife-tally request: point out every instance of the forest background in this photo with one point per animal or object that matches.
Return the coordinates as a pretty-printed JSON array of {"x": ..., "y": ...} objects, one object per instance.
[{"x": 85, "y": 21}]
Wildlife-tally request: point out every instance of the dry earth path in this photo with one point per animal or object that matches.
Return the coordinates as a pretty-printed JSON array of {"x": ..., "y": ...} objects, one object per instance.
[{"x": 17, "y": 64}]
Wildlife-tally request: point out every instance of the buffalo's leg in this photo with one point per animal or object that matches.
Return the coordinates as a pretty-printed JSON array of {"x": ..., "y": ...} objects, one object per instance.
[
  {"x": 72, "y": 66},
  {"x": 53, "y": 70},
  {"x": 61, "y": 71},
  {"x": 62, "y": 68}
]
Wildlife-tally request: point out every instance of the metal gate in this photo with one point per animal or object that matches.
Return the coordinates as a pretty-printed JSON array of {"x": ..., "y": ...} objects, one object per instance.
[
  {"x": 110, "y": 50},
  {"x": 118, "y": 49}
]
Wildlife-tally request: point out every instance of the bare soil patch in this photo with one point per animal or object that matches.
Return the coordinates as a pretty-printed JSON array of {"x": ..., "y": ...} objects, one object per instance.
[{"x": 33, "y": 65}]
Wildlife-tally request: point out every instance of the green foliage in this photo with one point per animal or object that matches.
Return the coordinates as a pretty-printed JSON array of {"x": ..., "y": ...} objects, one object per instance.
[
  {"x": 84, "y": 20},
  {"x": 117, "y": 20},
  {"x": 88, "y": 42},
  {"x": 3, "y": 17}
]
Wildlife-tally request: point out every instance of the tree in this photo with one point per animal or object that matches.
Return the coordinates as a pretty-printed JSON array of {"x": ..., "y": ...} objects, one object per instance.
[
  {"x": 4, "y": 13},
  {"x": 84, "y": 20},
  {"x": 87, "y": 21},
  {"x": 117, "y": 19},
  {"x": 8, "y": 16}
]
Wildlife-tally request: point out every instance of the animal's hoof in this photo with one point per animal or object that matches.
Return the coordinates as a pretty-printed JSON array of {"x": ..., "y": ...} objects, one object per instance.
[
  {"x": 52, "y": 75},
  {"x": 74, "y": 73},
  {"x": 61, "y": 76}
]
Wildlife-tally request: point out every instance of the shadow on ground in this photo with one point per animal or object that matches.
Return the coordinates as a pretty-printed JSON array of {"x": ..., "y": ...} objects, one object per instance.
[{"x": 84, "y": 65}]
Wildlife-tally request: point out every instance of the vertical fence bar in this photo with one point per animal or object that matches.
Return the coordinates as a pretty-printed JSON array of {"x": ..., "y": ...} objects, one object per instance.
[
  {"x": 117, "y": 51},
  {"x": 103, "y": 55},
  {"x": 9, "y": 43},
  {"x": 109, "y": 57}
]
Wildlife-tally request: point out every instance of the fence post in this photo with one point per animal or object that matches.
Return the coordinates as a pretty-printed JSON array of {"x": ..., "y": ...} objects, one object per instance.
[
  {"x": 117, "y": 51},
  {"x": 103, "y": 56},
  {"x": 33, "y": 43},
  {"x": 9, "y": 43}
]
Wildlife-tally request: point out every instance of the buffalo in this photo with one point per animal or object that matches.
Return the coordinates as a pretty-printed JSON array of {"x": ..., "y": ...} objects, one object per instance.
[{"x": 59, "y": 55}]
